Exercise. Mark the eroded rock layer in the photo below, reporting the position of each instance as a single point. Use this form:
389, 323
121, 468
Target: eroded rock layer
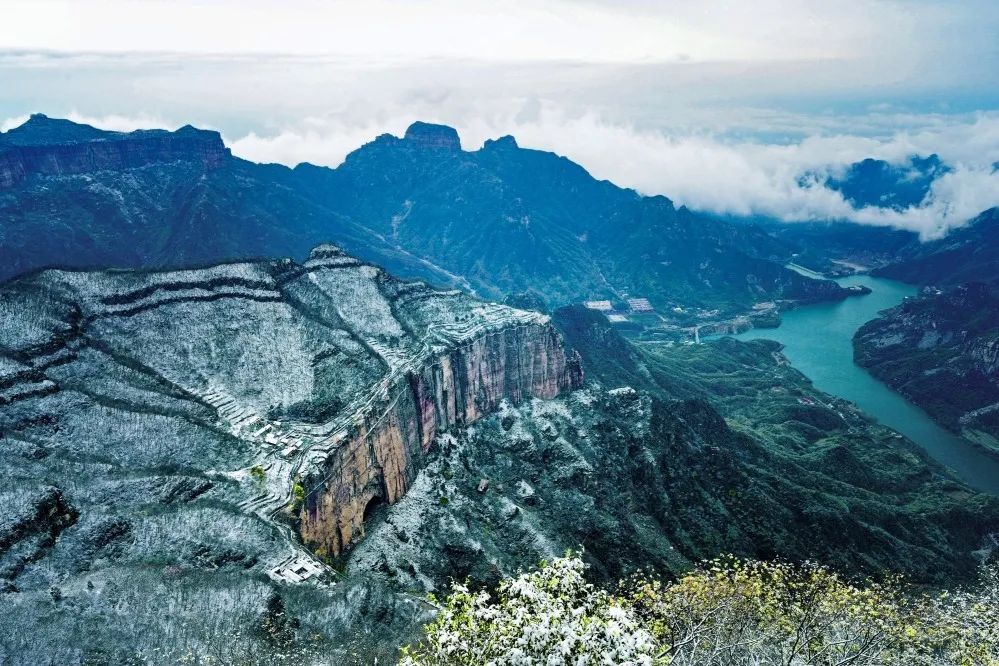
328, 376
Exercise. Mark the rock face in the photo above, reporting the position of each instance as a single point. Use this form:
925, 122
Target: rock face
437, 137
330, 374
36, 150
380, 459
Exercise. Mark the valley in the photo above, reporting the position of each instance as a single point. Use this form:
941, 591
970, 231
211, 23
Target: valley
818, 341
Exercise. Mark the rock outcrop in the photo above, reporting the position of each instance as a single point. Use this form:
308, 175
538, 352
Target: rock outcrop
379, 460
23, 156
437, 137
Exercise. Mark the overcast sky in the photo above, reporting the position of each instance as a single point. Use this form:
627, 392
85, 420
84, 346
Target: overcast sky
719, 105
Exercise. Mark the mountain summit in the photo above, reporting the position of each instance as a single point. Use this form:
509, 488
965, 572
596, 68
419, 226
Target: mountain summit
438, 137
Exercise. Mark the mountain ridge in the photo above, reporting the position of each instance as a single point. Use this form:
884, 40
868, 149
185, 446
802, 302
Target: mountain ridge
498, 220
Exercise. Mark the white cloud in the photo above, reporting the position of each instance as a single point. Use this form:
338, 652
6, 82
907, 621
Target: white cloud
11, 123
120, 123
516, 30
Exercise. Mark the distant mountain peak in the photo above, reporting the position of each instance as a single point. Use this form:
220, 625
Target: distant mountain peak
54, 146
39, 129
437, 137
897, 185
502, 142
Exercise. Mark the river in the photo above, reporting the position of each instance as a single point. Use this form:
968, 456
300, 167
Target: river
818, 340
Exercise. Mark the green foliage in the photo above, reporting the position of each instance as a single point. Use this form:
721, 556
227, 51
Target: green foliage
298, 495
728, 612
257, 473
550, 616
813, 477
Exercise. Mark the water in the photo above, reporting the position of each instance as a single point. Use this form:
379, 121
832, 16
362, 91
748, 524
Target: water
817, 340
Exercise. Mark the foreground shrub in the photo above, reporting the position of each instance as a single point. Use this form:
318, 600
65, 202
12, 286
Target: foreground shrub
552, 616
733, 612
728, 612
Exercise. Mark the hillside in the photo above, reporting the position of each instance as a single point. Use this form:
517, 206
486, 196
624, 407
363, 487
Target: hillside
325, 443
967, 254
202, 426
941, 350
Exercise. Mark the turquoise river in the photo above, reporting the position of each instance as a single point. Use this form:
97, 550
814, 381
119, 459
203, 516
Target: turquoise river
818, 339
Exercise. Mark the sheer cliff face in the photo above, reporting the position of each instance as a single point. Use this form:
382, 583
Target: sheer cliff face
378, 461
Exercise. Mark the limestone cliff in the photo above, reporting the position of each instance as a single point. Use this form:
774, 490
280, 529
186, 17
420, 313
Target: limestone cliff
379, 459
330, 373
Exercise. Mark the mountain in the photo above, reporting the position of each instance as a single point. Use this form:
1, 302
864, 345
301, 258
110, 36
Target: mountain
873, 182
941, 350
499, 220
967, 254
178, 433
841, 248
74, 196
512, 220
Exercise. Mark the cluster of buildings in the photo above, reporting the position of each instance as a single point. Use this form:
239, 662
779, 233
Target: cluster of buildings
615, 316
295, 569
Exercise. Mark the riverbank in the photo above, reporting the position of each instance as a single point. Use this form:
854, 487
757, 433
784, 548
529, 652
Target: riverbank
818, 341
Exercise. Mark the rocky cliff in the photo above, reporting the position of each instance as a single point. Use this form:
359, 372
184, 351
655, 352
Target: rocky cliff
36, 150
941, 350
235, 384
381, 456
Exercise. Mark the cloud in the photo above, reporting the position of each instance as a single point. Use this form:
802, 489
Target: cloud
11, 123
121, 123
520, 30
705, 172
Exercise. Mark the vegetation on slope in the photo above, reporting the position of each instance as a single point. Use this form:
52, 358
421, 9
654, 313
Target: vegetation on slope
784, 469
727, 612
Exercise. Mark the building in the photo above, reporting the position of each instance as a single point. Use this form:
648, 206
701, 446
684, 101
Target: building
640, 305
616, 318
600, 306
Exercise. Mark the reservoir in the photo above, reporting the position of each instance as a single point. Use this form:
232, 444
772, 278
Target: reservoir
818, 340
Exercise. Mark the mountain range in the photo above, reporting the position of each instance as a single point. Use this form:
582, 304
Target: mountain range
497, 221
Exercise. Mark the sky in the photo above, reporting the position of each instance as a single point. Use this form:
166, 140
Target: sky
722, 106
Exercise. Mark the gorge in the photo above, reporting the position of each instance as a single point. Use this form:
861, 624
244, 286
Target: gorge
817, 339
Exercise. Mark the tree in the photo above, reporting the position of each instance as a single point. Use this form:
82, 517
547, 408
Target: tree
550, 616
732, 612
